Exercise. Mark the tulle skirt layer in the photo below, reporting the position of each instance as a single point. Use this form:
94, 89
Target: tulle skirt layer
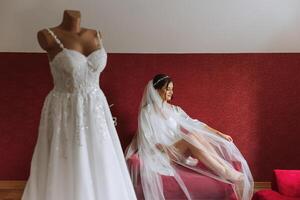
78, 155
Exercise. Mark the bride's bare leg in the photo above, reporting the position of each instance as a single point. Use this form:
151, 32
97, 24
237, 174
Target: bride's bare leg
184, 146
204, 142
230, 171
207, 146
210, 160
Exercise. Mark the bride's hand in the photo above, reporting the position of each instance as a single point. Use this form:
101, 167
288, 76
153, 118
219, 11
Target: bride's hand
227, 137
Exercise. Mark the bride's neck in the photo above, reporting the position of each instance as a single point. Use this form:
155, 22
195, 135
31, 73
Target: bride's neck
71, 21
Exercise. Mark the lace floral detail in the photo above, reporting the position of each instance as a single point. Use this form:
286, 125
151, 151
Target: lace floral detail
102, 125
75, 109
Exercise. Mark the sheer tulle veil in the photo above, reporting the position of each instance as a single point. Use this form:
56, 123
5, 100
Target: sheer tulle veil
156, 125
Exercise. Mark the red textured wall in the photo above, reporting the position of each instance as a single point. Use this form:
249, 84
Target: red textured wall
253, 97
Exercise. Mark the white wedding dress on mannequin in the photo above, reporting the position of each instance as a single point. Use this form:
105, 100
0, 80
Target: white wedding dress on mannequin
78, 155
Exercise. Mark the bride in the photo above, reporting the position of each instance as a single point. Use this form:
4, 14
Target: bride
167, 136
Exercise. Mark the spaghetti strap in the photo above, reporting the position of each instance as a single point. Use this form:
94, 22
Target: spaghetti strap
56, 38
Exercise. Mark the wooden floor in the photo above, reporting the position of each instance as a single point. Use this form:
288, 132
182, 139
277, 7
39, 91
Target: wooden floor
12, 190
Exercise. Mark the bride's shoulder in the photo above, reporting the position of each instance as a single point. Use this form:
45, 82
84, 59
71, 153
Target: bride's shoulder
176, 108
180, 111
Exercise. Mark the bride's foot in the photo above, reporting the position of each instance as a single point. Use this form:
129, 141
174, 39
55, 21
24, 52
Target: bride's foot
237, 178
234, 175
191, 161
239, 187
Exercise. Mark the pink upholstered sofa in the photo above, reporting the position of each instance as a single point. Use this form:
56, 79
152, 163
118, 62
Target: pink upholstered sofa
201, 187
285, 186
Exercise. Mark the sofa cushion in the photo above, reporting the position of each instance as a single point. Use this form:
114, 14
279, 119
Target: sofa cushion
271, 195
200, 187
287, 182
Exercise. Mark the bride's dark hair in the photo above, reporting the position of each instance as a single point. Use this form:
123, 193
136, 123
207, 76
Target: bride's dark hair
160, 80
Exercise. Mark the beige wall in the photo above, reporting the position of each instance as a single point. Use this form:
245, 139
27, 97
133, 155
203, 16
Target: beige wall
161, 25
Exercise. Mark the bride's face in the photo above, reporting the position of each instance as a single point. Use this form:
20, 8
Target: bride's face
166, 92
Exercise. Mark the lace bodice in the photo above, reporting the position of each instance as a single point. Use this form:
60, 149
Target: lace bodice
72, 71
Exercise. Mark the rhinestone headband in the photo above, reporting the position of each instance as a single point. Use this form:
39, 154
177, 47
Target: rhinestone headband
160, 80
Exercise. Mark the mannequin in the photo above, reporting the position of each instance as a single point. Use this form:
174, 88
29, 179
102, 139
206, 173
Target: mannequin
71, 34
78, 154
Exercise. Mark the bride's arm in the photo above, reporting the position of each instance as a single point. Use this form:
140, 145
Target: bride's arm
227, 137
184, 114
